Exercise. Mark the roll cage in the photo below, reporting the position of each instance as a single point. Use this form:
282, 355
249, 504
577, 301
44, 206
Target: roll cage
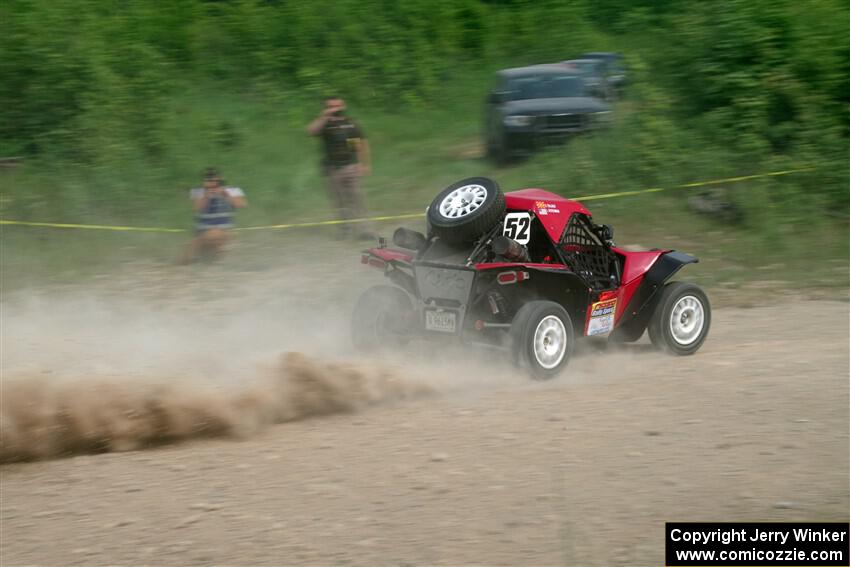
583, 248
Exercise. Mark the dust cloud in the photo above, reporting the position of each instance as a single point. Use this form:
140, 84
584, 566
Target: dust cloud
40, 418
91, 373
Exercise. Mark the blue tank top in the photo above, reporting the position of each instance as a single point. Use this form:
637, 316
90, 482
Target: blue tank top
218, 213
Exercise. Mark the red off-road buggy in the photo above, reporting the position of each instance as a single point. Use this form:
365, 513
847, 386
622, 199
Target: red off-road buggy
528, 271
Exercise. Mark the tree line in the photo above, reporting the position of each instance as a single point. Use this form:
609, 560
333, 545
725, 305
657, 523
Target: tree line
83, 79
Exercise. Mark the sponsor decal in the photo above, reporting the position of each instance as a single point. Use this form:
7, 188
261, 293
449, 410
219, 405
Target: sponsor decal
544, 208
602, 317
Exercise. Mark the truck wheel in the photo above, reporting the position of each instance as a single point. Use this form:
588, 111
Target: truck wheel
681, 319
542, 337
381, 318
465, 210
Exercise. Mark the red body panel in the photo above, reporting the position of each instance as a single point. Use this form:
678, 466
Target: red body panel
500, 265
637, 263
553, 210
624, 295
635, 266
388, 254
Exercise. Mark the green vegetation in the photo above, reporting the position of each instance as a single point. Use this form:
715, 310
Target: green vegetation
116, 106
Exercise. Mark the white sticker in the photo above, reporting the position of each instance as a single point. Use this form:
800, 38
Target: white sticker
518, 227
601, 317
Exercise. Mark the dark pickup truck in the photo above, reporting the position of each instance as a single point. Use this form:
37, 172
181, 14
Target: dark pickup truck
611, 66
603, 72
530, 107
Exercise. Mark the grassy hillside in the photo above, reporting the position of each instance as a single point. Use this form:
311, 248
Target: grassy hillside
415, 155
116, 107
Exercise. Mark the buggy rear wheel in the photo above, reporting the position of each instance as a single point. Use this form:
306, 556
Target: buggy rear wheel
543, 338
381, 319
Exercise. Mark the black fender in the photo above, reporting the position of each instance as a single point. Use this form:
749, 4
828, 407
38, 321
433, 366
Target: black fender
642, 304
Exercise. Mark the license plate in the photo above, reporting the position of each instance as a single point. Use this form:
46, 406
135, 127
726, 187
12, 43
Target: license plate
443, 321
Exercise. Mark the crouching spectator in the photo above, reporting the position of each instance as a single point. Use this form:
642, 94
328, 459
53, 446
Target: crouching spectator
215, 206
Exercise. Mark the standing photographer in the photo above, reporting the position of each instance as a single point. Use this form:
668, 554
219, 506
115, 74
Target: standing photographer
346, 159
215, 206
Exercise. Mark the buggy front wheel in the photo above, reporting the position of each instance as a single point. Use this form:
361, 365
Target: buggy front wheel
681, 319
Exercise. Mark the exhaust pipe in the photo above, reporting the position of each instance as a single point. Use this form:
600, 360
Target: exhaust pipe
409, 239
510, 249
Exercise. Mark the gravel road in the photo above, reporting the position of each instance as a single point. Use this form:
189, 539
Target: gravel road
583, 470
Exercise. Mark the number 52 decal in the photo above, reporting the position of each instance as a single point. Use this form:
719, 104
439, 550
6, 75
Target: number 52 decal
518, 227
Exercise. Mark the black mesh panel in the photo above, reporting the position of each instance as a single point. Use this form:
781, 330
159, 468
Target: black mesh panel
585, 253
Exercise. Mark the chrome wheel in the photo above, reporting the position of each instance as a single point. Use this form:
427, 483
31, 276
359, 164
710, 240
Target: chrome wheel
687, 320
463, 201
550, 342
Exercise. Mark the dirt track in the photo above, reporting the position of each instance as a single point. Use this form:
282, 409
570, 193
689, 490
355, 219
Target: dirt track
580, 471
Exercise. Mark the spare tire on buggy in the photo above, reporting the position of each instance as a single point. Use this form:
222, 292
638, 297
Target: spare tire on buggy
466, 209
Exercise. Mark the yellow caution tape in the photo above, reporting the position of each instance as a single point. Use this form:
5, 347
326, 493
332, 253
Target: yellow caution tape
333, 222
92, 226
403, 216
614, 195
689, 185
